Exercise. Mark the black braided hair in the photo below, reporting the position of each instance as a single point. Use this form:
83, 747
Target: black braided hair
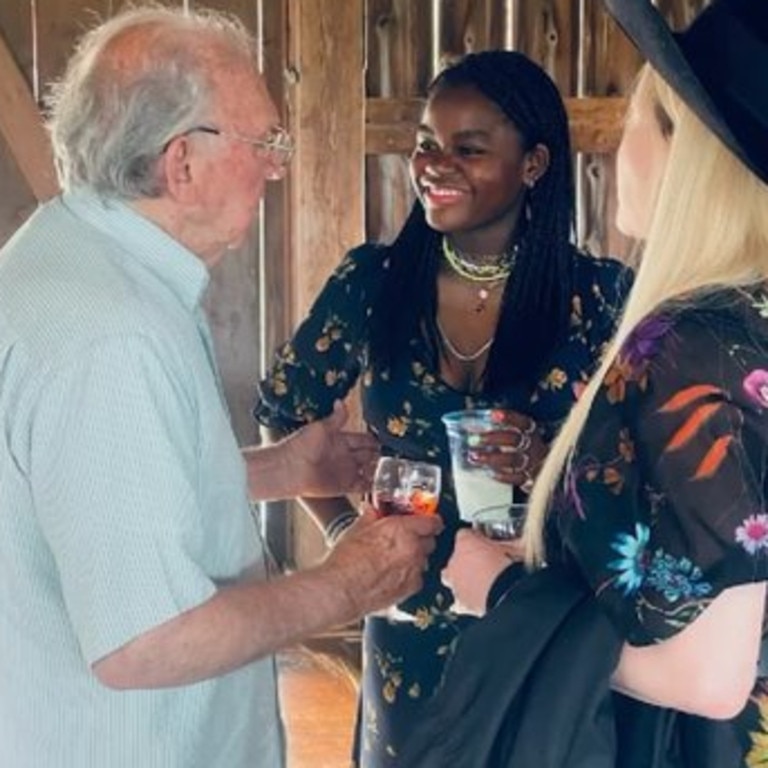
536, 301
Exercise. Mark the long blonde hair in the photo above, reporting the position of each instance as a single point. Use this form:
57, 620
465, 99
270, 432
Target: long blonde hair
709, 228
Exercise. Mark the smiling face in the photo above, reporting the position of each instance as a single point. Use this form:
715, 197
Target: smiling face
469, 169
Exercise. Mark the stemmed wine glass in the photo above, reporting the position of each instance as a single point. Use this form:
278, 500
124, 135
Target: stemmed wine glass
502, 523
405, 487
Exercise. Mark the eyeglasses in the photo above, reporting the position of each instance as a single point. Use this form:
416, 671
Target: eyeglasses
277, 143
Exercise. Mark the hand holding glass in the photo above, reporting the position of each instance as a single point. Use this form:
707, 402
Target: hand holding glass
404, 487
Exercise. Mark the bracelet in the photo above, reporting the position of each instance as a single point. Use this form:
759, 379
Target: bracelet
338, 525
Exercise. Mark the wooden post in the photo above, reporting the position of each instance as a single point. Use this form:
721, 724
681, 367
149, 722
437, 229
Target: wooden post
326, 115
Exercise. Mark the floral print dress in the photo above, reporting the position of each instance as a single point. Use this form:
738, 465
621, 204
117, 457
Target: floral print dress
664, 506
327, 356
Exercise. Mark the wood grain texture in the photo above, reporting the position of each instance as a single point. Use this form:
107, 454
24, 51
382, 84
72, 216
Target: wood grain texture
391, 124
16, 198
327, 184
22, 128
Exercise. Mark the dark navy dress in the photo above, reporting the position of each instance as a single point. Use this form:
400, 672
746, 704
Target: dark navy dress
328, 355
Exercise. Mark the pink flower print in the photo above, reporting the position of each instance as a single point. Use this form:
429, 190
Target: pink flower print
752, 534
756, 387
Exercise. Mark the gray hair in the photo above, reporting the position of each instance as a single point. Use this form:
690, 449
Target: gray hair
115, 108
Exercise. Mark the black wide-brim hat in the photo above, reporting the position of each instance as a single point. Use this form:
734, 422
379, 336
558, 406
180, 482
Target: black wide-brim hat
718, 66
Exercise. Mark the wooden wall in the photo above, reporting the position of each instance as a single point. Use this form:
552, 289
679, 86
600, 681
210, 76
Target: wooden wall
348, 76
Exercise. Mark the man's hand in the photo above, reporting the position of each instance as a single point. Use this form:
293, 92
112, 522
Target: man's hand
318, 460
329, 461
381, 561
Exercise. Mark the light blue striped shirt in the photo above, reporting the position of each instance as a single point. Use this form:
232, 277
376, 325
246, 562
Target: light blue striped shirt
122, 498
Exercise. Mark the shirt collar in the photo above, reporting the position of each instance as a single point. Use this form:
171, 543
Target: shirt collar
173, 264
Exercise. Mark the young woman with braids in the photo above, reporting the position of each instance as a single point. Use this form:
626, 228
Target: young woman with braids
482, 301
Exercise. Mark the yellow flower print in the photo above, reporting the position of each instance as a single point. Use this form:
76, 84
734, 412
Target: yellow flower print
423, 618
414, 692
288, 354
556, 379
332, 331
576, 311
758, 754
389, 691
280, 384
397, 426
331, 377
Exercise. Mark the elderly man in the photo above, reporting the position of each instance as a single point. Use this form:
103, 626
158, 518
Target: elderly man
137, 619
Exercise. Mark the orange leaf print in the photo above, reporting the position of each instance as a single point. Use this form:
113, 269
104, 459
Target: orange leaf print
713, 458
688, 395
691, 426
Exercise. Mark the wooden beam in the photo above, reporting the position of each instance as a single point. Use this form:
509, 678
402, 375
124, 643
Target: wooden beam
595, 124
22, 128
326, 116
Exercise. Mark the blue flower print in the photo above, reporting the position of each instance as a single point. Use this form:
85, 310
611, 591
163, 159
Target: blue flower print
676, 578
633, 562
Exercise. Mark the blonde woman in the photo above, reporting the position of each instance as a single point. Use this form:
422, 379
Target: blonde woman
650, 510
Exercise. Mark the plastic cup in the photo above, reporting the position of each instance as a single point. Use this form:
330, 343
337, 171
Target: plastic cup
475, 486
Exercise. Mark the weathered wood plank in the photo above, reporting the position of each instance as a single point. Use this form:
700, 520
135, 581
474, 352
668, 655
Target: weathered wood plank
327, 102
469, 25
610, 65
59, 24
16, 198
391, 124
548, 32
399, 56
22, 129
399, 65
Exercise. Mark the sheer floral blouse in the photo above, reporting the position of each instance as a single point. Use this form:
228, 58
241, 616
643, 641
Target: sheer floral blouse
665, 504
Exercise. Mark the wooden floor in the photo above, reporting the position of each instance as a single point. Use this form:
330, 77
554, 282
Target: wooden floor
318, 701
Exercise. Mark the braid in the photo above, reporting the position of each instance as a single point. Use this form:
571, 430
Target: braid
536, 302
408, 295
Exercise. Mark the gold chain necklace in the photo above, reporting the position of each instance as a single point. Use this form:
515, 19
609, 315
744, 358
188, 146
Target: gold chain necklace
495, 273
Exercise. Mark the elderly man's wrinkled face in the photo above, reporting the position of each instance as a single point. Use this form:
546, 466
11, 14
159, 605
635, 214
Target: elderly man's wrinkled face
236, 157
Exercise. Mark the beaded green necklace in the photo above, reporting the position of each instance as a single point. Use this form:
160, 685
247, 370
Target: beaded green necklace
495, 271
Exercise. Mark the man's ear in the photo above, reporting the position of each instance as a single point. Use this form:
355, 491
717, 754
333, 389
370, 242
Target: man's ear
536, 164
176, 168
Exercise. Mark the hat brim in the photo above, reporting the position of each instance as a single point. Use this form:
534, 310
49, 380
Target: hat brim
648, 30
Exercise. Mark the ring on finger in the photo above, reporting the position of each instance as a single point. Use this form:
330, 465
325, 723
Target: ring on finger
525, 461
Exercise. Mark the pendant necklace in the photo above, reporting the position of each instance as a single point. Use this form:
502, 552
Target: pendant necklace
488, 271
